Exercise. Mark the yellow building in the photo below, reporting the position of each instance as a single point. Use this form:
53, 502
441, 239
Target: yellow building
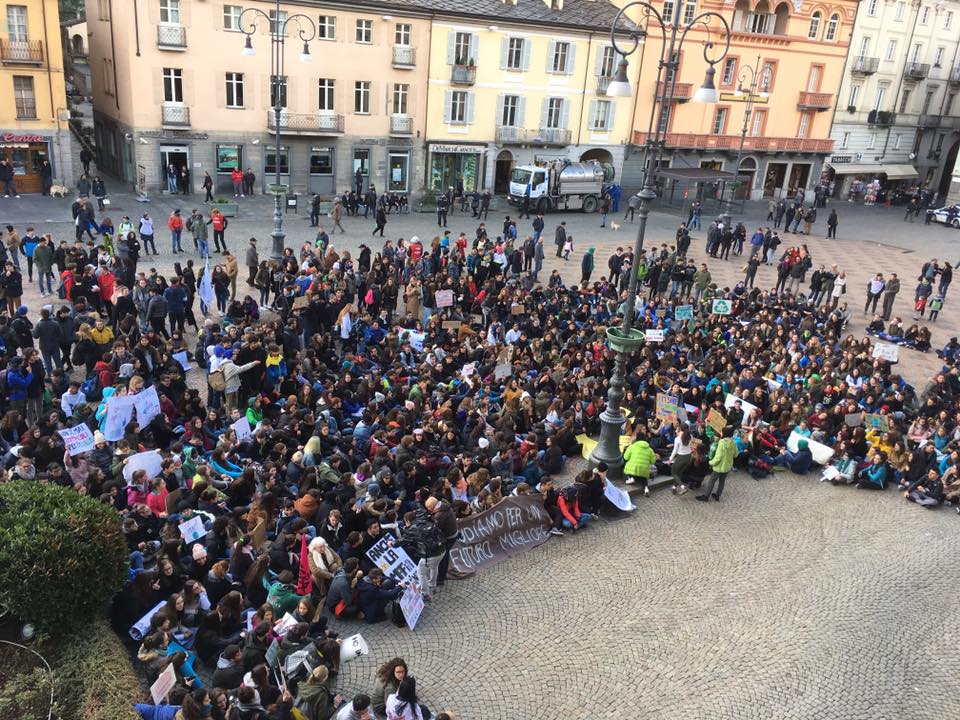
33, 115
516, 83
798, 51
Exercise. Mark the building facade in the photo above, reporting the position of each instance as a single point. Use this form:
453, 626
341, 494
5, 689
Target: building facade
76, 56
34, 118
172, 85
897, 119
797, 51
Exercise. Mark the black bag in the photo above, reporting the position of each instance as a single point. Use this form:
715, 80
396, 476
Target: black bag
395, 613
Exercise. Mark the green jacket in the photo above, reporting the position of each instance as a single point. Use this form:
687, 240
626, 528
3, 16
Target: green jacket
701, 279
639, 457
43, 258
283, 598
724, 454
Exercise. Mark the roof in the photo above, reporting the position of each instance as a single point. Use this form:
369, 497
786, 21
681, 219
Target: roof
579, 14
695, 174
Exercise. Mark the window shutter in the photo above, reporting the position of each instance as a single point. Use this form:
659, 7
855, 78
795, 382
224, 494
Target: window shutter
571, 57
564, 113
504, 49
544, 111
451, 47
551, 53
222, 95
521, 110
598, 61
499, 117
593, 115
474, 49
469, 108
525, 54
612, 115
447, 105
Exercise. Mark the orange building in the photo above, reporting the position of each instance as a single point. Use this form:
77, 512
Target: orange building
798, 51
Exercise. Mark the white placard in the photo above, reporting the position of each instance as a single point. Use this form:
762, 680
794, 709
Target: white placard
444, 298
164, 684
149, 461
886, 351
77, 439
283, 624
821, 453
730, 400
619, 498
393, 560
415, 339
353, 647
503, 370
411, 602
147, 403
243, 429
183, 358
119, 413
193, 530
653, 335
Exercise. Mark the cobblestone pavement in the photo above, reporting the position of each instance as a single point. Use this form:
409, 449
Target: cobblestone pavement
790, 599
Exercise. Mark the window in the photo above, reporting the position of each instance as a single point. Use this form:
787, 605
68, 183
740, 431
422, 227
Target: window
872, 8
948, 20
689, 11
515, 54
173, 85
228, 158
270, 161
757, 23
729, 71
898, 13
948, 107
24, 99
234, 90
554, 114
458, 107
17, 23
845, 140
103, 9
108, 76
364, 31
759, 120
511, 104
401, 93
325, 90
924, 14
278, 91
361, 161
719, 120
927, 101
561, 51
904, 101
881, 94
813, 79
608, 57
601, 116
231, 17
668, 7
278, 22
361, 97
832, 25
871, 141
940, 142
461, 48
891, 50
917, 49
803, 129
864, 46
401, 35
938, 57
814, 29
321, 161
170, 12
854, 95
768, 75
399, 163
327, 27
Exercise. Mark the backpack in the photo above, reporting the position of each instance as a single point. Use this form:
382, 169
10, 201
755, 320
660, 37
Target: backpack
91, 387
395, 613
217, 381
62, 290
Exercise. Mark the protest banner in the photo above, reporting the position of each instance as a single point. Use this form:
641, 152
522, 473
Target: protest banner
660, 312
393, 560
683, 312
668, 407
587, 444
415, 339
353, 647
878, 422
821, 453
721, 307
192, 530
886, 351
444, 298
716, 421
502, 370
655, 335
147, 403
149, 461
164, 684
411, 602
242, 428
77, 439
619, 498
516, 524
119, 413
184, 359
451, 324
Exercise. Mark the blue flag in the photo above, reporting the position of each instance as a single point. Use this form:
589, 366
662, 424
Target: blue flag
206, 286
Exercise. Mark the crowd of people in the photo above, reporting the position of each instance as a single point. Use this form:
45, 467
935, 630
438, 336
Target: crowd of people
346, 397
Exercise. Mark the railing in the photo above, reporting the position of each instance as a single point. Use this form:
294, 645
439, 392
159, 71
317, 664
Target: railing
507, 135
865, 65
21, 51
682, 92
881, 117
463, 75
26, 109
917, 71
401, 125
553, 136
404, 56
732, 142
171, 36
314, 123
814, 101
176, 115
603, 82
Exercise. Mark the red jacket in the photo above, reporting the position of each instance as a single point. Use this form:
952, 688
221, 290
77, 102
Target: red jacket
104, 374
570, 512
175, 222
218, 220
107, 283
236, 176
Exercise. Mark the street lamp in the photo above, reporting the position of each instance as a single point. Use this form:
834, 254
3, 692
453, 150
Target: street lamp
307, 31
624, 340
753, 73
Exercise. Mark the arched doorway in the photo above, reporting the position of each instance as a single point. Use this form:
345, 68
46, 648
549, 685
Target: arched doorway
604, 159
745, 176
502, 170
948, 169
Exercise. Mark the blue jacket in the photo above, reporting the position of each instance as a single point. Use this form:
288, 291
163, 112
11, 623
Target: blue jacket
802, 459
17, 384
373, 599
176, 298
157, 712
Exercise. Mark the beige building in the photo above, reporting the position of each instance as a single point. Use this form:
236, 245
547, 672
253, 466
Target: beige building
171, 84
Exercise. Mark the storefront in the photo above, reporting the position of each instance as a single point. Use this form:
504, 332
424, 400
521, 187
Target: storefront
852, 180
398, 171
229, 156
449, 163
26, 154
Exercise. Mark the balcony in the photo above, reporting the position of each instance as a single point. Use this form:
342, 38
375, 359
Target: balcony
682, 92
21, 52
401, 125
954, 76
603, 82
404, 57
814, 101
882, 118
306, 123
463, 75
929, 121
917, 71
171, 37
731, 143
522, 136
863, 65
175, 116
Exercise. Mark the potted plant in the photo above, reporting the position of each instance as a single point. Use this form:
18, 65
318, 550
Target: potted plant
227, 207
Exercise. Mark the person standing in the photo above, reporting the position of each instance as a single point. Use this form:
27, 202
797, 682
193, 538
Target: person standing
337, 215
946, 277
236, 177
586, 267
175, 225
721, 462
529, 250
172, 175
832, 221
921, 295
560, 237
146, 234
874, 291
809, 219
890, 291
604, 209
183, 180
43, 259
538, 225
232, 268
633, 202
358, 181
157, 312
443, 205
615, 264
86, 157
249, 180
381, 220
198, 227
176, 298
537, 258
315, 210
252, 261
207, 187
219, 223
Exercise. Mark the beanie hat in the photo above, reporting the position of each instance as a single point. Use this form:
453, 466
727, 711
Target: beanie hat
22, 310
484, 443
803, 444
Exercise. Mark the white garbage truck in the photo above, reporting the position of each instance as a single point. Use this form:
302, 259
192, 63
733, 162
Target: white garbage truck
560, 185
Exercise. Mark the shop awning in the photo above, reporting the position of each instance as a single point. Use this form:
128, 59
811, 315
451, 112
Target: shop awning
893, 172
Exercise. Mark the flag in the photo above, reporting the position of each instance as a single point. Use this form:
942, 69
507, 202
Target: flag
303, 582
206, 287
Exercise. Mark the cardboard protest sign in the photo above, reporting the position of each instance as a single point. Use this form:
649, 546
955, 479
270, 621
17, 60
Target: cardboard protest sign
301, 303
668, 407
243, 429
149, 461
184, 359
683, 312
517, 310
77, 439
415, 339
660, 312
886, 351
411, 603
875, 421
119, 413
273, 652
147, 403
516, 524
451, 324
619, 498
821, 453
164, 684
853, 419
393, 560
716, 421
353, 647
443, 298
192, 530
502, 370
721, 307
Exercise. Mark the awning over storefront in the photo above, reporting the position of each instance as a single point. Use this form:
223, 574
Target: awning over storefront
893, 172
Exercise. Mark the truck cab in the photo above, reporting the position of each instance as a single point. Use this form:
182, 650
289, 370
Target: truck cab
530, 176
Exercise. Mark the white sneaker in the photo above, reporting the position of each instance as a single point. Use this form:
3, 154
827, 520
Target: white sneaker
630, 481
682, 490
556, 531
646, 492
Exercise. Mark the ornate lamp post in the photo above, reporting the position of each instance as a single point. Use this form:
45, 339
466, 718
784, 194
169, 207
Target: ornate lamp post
626, 339
753, 73
307, 31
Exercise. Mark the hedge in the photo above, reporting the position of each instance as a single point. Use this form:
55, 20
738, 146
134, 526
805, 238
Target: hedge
62, 556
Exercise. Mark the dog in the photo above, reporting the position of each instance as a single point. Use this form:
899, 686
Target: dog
59, 191
614, 226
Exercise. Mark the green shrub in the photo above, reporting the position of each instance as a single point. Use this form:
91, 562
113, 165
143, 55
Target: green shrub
62, 556
25, 690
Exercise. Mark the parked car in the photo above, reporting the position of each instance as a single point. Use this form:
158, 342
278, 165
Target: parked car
948, 215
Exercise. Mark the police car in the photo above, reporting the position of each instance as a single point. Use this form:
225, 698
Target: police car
949, 215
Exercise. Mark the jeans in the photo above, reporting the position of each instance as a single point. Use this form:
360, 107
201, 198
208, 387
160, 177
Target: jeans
9, 188
172, 184
48, 276
148, 244
52, 358
237, 189
222, 302
204, 248
584, 520
715, 478
427, 572
175, 241
218, 239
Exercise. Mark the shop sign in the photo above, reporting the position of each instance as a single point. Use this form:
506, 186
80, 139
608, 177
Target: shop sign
13, 137
456, 149
840, 159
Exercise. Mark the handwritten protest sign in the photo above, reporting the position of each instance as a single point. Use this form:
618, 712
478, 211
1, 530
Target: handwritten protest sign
502, 370
149, 461
444, 298
619, 498
192, 530
147, 403
353, 647
716, 421
164, 684
243, 429
451, 324
683, 312
301, 303
119, 413
668, 407
878, 422
411, 602
393, 561
721, 307
655, 335
184, 359
886, 351
77, 439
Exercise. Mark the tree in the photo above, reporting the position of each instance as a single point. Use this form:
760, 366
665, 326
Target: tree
62, 555
70, 9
